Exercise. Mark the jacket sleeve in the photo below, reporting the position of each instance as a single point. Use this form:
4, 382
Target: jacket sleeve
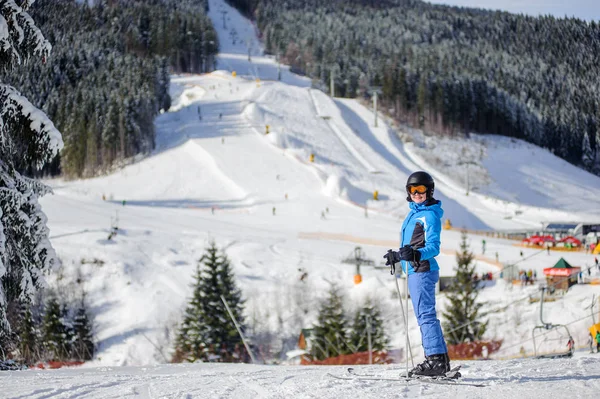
433, 230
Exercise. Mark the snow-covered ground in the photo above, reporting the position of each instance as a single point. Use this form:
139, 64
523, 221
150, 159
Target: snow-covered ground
574, 378
216, 175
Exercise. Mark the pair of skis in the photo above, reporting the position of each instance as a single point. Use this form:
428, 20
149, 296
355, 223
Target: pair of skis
449, 379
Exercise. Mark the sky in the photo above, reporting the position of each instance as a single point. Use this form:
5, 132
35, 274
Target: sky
584, 9
286, 224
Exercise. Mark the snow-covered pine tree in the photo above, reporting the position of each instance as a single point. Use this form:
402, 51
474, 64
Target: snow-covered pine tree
57, 331
190, 344
28, 139
214, 312
29, 336
233, 296
163, 79
588, 156
207, 332
83, 347
358, 336
462, 314
330, 334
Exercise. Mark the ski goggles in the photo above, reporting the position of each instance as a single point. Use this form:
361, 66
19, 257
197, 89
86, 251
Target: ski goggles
416, 189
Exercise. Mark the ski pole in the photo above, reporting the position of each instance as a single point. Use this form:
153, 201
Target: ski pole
406, 313
404, 316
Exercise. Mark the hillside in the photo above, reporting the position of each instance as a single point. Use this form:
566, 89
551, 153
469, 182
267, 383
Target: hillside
449, 70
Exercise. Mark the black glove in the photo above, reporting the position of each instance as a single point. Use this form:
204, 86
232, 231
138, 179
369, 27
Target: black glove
391, 257
409, 254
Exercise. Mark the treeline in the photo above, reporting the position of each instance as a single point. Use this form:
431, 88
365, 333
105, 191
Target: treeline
108, 75
51, 328
450, 70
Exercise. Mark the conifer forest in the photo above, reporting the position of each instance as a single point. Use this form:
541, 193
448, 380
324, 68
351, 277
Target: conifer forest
450, 70
107, 77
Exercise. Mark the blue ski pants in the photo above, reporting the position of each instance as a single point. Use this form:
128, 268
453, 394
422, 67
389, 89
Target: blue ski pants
422, 292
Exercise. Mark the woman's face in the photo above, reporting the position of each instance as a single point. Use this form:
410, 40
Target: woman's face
418, 197
418, 193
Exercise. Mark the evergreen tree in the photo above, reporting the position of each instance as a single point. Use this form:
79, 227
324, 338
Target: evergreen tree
190, 344
29, 337
57, 332
233, 296
587, 158
207, 331
28, 139
83, 347
462, 314
330, 335
368, 315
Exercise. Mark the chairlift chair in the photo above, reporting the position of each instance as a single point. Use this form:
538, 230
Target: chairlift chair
561, 329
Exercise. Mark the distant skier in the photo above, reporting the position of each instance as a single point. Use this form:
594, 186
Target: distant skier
420, 243
597, 341
483, 247
591, 343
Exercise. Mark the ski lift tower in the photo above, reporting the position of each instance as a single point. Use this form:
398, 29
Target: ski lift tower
375, 91
358, 258
467, 163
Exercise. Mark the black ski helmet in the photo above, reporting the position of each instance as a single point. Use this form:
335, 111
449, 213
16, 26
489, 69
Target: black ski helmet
420, 178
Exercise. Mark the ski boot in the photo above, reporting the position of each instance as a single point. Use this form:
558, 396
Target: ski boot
433, 366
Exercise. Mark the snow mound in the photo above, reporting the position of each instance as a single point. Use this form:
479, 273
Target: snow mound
336, 186
174, 178
189, 95
277, 139
340, 187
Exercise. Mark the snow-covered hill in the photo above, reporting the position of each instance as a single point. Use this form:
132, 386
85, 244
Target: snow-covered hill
216, 175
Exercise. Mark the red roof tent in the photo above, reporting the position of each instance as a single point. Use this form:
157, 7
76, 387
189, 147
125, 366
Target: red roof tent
561, 268
571, 240
538, 240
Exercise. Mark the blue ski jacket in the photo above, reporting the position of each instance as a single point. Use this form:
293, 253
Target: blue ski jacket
421, 230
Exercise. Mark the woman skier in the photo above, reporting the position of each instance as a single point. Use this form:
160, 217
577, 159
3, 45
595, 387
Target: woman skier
419, 244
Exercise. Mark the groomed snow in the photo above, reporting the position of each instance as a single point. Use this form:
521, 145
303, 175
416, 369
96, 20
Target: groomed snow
573, 378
